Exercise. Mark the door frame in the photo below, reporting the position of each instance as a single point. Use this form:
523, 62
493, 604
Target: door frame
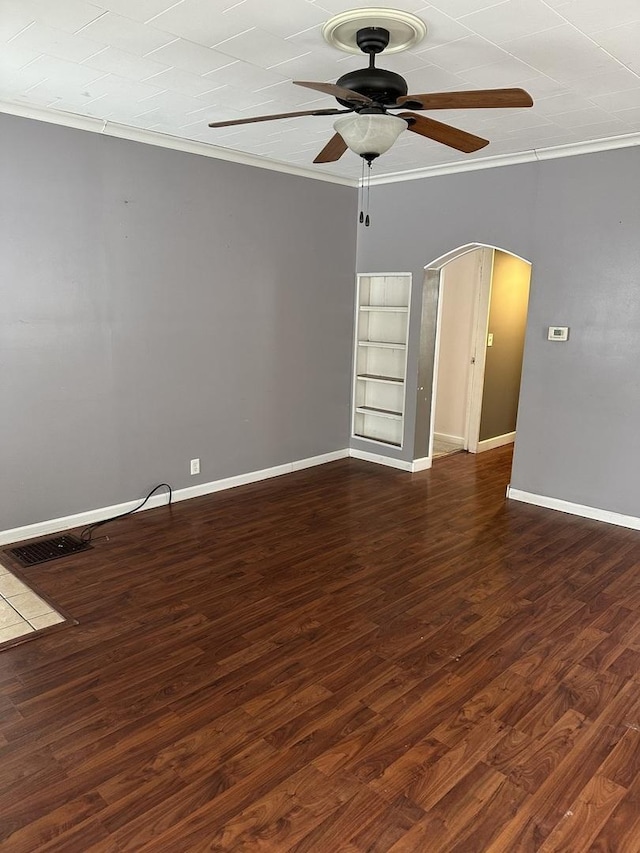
434, 271
475, 375
479, 325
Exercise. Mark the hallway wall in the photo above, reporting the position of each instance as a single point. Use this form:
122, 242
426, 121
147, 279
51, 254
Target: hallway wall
503, 366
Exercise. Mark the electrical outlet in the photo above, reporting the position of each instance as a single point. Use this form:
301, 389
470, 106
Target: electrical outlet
195, 466
490, 339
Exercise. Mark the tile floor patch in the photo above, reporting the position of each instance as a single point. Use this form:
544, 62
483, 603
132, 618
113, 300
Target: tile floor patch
22, 611
15, 631
8, 614
29, 604
11, 585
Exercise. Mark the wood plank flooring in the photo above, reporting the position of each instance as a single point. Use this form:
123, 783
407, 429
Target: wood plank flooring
347, 658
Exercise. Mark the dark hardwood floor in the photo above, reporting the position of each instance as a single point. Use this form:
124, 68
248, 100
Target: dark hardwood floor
348, 658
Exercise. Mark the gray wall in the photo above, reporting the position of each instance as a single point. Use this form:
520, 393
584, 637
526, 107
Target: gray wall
158, 306
577, 220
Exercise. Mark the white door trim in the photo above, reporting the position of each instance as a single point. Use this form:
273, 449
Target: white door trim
476, 371
436, 363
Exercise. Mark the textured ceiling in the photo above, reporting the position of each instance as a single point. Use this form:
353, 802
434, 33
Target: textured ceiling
171, 67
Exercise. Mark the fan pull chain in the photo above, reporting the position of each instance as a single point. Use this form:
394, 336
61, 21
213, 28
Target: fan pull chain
364, 192
366, 219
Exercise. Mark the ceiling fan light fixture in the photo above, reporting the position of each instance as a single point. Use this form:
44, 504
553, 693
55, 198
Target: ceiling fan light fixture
370, 134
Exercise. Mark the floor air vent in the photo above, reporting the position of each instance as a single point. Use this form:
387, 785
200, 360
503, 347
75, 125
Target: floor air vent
47, 549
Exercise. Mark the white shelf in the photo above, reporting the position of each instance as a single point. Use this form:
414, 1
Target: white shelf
390, 309
385, 380
378, 440
379, 413
381, 334
382, 344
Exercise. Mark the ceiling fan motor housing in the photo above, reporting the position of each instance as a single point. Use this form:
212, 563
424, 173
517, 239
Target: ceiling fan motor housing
383, 87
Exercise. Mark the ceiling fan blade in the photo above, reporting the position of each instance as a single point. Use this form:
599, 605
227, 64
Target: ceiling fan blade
333, 150
474, 99
444, 133
330, 112
336, 91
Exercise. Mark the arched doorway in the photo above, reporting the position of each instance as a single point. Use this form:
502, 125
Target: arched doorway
474, 307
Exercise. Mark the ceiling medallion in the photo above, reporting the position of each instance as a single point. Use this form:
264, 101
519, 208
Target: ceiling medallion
405, 30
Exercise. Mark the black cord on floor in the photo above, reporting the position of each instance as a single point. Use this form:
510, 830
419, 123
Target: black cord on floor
87, 533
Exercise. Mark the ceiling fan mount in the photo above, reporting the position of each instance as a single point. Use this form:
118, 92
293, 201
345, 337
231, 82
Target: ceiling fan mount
372, 40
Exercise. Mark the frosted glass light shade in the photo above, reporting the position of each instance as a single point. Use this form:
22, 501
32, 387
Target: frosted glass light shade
366, 133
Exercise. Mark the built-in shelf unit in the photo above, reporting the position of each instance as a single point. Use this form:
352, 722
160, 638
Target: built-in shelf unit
380, 361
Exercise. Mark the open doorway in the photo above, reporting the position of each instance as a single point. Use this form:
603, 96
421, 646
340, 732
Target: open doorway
475, 302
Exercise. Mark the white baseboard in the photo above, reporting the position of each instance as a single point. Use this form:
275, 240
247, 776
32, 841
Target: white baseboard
400, 464
81, 519
457, 440
497, 441
312, 461
575, 509
380, 460
56, 525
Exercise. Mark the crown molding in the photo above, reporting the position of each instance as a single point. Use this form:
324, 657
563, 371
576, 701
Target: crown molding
165, 140
531, 156
190, 146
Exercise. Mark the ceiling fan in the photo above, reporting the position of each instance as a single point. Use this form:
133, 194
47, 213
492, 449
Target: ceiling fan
372, 92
